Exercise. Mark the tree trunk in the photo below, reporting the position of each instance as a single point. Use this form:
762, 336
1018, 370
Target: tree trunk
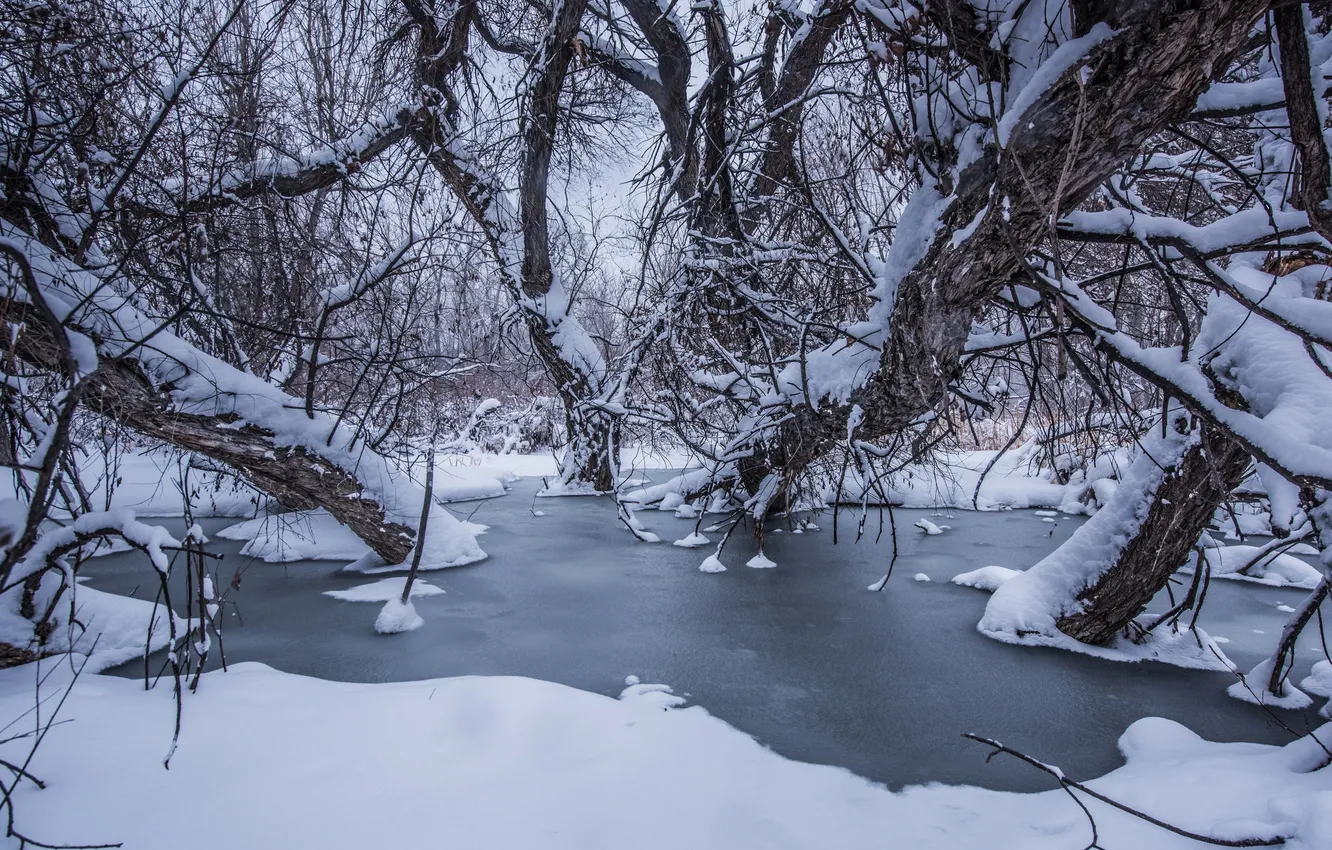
1095, 116
1179, 513
119, 390
592, 451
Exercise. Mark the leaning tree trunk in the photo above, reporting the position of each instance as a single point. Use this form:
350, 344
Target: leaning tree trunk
1179, 512
119, 390
1093, 117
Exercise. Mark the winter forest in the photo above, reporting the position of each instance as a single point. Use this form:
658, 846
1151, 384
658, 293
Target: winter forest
681, 423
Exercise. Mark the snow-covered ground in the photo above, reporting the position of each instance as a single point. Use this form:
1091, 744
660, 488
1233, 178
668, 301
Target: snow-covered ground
268, 759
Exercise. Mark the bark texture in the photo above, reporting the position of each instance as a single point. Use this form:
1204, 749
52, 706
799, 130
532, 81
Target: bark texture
1065, 145
1179, 513
119, 390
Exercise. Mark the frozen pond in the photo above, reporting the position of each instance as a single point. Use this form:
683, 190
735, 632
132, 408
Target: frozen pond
803, 657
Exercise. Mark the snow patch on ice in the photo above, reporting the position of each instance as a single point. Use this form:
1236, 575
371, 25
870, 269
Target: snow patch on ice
692, 540
1253, 688
384, 590
986, 578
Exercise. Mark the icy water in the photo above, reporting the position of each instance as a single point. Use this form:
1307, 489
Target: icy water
802, 657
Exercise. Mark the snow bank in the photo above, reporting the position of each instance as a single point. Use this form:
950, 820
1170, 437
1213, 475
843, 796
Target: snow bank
1253, 688
268, 759
1010, 483
318, 536
110, 629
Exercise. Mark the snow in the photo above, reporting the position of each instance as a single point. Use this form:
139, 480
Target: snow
921, 577
268, 759
712, 564
297, 536
929, 527
384, 590
110, 629
1012, 482
986, 578
1026, 607
878, 585
690, 541
761, 562
397, 616
149, 482
1274, 569
1253, 688
1319, 684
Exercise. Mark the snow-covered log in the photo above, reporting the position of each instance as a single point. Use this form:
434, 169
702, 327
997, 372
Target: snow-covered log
128, 367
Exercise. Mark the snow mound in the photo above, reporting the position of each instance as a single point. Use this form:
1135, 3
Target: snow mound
761, 562
712, 564
694, 539
150, 484
921, 577
106, 629
657, 696
929, 527
1253, 689
1319, 680
449, 542
986, 578
384, 590
397, 616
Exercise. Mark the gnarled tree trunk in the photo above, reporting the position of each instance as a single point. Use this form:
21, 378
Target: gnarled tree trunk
1180, 510
118, 389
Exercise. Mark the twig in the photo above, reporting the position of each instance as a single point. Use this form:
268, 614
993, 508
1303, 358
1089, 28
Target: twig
1068, 784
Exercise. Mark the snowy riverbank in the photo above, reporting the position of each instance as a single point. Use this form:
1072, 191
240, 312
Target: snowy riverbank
272, 760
